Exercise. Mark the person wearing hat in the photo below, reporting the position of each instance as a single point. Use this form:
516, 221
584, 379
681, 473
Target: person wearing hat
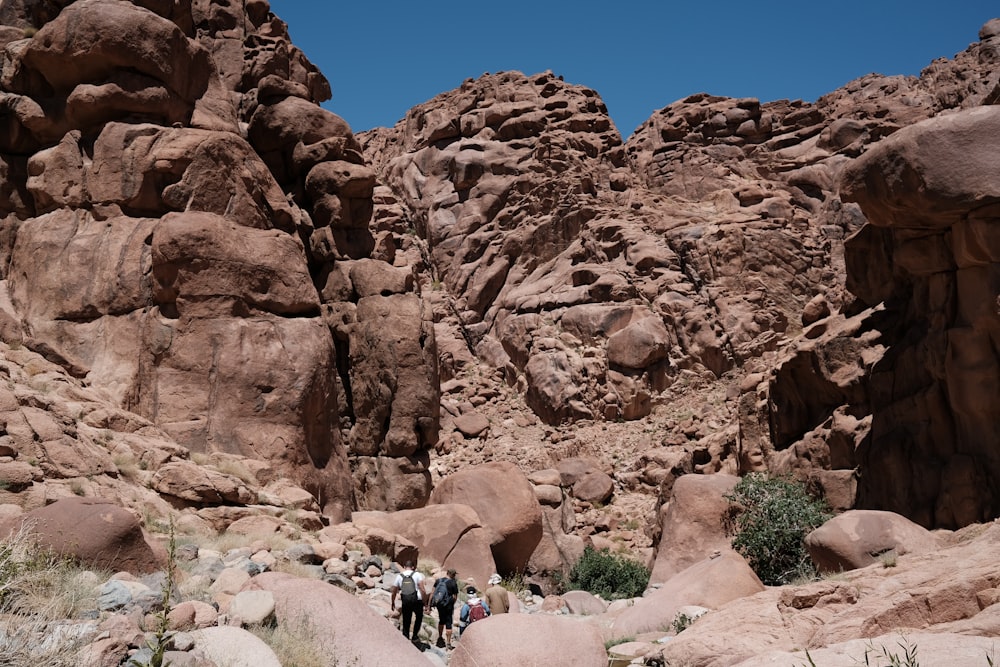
496, 596
473, 610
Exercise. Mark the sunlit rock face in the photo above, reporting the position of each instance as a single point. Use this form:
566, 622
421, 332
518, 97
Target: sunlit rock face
174, 196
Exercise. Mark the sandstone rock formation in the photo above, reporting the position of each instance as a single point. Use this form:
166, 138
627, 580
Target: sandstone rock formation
521, 639
699, 255
183, 229
220, 306
503, 498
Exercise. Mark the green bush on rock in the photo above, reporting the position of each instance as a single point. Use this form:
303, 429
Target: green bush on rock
612, 576
771, 518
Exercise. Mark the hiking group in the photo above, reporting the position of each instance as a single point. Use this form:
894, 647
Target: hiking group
443, 597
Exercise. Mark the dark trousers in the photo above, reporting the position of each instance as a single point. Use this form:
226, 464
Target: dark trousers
411, 609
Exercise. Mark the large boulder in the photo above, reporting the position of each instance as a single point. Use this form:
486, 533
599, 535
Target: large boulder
523, 639
452, 535
95, 532
504, 500
233, 645
709, 583
692, 523
857, 538
342, 626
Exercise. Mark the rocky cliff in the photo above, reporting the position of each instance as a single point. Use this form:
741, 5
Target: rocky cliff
186, 230
716, 255
786, 286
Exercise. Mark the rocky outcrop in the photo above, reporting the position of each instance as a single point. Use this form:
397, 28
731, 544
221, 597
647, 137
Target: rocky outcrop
507, 506
177, 204
930, 195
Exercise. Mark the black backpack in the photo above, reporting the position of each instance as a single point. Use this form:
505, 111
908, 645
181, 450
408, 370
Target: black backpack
408, 589
442, 596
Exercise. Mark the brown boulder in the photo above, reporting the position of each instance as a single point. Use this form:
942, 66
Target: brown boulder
452, 535
197, 484
640, 344
93, 531
858, 537
692, 523
572, 469
503, 498
708, 583
594, 487
472, 424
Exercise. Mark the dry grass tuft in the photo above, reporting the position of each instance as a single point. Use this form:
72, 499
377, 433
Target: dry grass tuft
38, 593
293, 645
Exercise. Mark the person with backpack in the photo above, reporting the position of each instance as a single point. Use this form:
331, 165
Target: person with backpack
409, 585
474, 609
443, 597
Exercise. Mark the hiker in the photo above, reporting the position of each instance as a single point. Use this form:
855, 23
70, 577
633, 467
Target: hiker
409, 585
496, 596
473, 610
443, 597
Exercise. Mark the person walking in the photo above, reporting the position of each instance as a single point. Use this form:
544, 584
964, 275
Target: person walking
443, 597
409, 585
496, 596
474, 609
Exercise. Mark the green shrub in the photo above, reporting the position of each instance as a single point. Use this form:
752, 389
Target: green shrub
772, 516
612, 576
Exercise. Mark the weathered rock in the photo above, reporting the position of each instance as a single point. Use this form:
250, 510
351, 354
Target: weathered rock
223, 643
503, 498
452, 535
529, 639
857, 538
709, 583
93, 531
584, 603
692, 524
362, 635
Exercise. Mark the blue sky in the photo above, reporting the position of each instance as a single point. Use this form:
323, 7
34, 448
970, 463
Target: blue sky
384, 57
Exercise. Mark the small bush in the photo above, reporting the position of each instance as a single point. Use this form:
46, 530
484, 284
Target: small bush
612, 576
771, 519
682, 622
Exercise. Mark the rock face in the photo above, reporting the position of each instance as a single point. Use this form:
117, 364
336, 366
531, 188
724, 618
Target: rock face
602, 279
931, 197
185, 228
